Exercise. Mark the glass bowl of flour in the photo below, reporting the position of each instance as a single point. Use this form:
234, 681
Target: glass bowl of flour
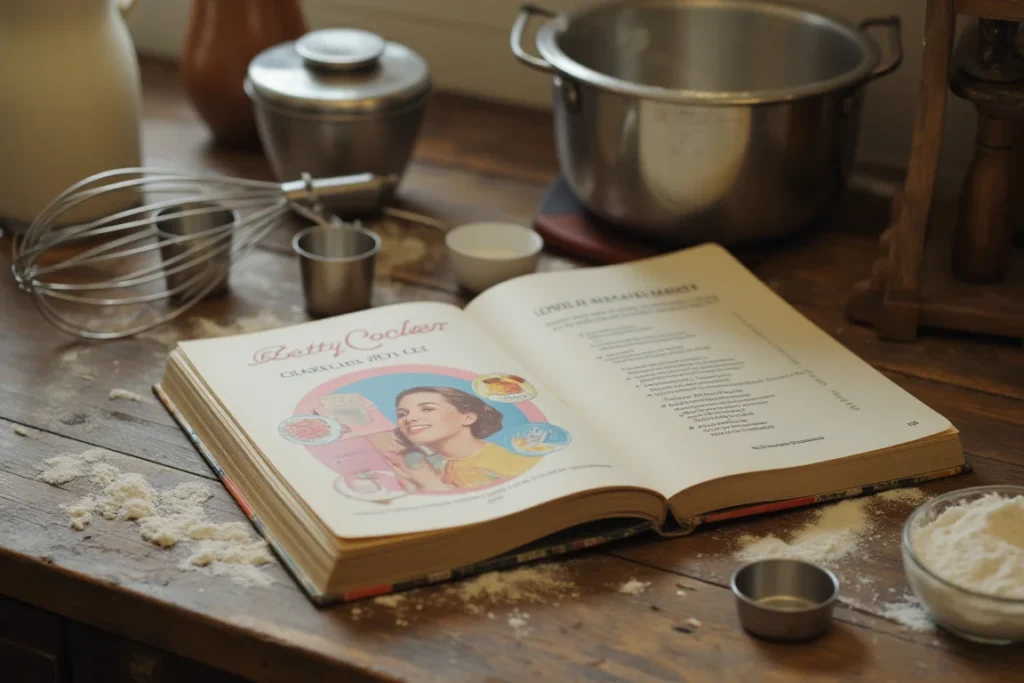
963, 554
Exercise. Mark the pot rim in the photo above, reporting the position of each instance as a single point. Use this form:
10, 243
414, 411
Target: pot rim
566, 67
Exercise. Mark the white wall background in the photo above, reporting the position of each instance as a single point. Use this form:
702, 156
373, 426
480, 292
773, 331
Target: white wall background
466, 45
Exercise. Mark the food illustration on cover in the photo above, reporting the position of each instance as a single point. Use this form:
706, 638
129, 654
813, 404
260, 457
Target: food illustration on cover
422, 430
311, 430
504, 388
539, 439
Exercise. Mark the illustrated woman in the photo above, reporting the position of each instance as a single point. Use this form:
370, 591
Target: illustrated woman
453, 424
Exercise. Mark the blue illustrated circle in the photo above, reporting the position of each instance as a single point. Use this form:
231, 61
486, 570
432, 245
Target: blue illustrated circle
537, 439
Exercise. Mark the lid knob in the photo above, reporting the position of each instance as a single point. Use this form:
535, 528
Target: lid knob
340, 49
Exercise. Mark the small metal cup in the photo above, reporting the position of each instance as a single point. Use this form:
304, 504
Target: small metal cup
190, 264
787, 600
337, 268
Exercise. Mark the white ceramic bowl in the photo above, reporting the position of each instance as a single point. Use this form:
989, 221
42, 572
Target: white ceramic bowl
977, 617
484, 254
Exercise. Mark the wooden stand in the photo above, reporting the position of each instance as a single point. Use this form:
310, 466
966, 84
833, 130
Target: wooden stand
960, 274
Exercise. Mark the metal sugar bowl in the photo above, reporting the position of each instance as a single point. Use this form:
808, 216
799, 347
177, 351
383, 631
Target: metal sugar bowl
338, 102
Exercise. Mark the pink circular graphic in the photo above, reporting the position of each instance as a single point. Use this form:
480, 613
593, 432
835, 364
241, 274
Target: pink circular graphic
376, 462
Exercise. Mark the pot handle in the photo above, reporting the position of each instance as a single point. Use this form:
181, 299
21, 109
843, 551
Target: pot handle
516, 39
893, 23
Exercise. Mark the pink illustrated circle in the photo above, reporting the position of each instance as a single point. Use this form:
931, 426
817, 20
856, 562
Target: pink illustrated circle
367, 430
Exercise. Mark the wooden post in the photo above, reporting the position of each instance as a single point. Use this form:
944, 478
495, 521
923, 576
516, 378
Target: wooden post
981, 241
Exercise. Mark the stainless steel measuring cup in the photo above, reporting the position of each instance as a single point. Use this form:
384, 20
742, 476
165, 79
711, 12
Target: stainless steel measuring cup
194, 252
337, 265
786, 600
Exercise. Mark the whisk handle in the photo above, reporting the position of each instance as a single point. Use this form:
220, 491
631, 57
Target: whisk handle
349, 193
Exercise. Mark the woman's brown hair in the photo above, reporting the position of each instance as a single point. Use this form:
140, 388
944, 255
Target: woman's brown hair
488, 418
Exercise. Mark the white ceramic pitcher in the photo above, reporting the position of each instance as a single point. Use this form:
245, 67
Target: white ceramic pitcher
70, 102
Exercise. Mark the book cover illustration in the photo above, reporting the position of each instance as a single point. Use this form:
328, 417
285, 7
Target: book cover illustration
422, 430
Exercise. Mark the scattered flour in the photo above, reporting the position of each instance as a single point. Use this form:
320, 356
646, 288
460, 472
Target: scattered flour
165, 517
909, 613
857, 603
634, 587
391, 601
694, 623
60, 469
125, 395
977, 545
522, 584
835, 532
20, 431
71, 361
519, 621
911, 496
80, 513
536, 584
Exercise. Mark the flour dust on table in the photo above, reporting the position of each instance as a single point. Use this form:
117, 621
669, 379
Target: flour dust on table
166, 517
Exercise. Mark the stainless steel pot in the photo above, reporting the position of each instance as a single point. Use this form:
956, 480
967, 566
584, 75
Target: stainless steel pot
706, 120
338, 102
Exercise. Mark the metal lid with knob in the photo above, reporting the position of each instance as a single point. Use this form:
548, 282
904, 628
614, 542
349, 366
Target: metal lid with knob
338, 70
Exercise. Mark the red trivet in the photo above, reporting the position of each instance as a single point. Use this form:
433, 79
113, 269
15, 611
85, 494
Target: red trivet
567, 227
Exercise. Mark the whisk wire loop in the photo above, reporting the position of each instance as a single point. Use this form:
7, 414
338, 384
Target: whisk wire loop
142, 265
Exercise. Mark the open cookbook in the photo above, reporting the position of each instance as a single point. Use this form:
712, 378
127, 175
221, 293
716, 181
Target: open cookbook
419, 442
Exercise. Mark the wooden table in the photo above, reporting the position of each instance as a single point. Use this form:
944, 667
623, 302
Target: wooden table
103, 605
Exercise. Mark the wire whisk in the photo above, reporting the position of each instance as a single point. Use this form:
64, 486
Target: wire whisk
122, 274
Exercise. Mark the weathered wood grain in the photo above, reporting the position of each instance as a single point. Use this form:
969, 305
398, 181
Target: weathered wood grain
108, 577
991, 426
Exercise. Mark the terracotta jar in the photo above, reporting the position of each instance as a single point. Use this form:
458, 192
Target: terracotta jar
222, 38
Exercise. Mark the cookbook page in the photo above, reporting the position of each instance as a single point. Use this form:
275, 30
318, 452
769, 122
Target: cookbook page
695, 368
402, 419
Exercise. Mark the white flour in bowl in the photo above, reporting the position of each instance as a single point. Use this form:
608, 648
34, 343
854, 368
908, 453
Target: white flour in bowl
977, 545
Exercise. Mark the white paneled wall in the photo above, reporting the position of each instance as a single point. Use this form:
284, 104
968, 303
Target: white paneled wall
466, 44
